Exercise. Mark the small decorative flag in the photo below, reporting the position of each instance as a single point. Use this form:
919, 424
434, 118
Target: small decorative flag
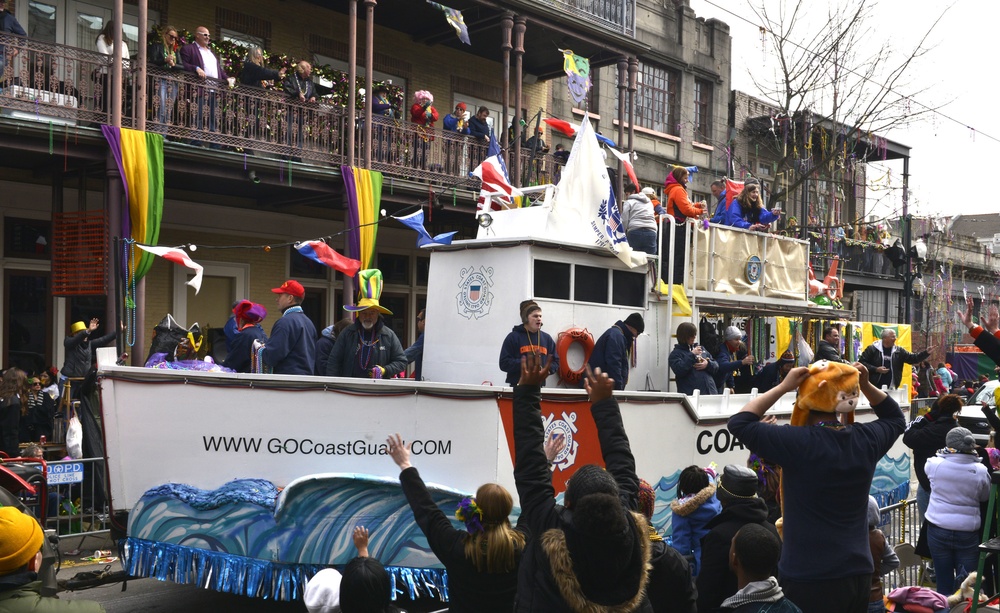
626, 159
493, 173
577, 75
455, 19
324, 254
569, 129
416, 222
178, 256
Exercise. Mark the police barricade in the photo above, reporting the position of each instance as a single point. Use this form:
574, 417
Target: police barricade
901, 525
77, 499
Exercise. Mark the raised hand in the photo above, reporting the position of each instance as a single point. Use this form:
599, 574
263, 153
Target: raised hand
598, 384
966, 316
992, 323
360, 537
533, 371
554, 446
399, 451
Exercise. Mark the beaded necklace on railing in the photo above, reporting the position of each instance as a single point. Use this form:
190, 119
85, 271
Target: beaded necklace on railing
130, 266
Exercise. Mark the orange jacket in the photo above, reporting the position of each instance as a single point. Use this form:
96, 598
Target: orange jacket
678, 203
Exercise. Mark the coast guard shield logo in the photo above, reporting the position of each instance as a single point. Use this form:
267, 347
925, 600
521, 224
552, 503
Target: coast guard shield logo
754, 269
566, 428
474, 297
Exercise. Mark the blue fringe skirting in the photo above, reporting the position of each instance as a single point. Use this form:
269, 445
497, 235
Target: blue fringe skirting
232, 574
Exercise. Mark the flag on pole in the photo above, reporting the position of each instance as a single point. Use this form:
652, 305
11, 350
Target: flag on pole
455, 20
363, 189
626, 160
416, 222
584, 203
178, 256
493, 173
324, 254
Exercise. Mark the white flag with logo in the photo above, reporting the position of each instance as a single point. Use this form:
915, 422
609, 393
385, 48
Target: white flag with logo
584, 204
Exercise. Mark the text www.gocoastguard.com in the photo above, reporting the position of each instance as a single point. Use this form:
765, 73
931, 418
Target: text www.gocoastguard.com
307, 446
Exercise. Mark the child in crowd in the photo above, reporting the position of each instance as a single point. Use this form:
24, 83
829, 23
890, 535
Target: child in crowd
365, 586
883, 556
696, 504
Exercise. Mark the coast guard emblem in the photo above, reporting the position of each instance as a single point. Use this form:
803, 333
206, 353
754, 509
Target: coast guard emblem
754, 269
474, 296
566, 428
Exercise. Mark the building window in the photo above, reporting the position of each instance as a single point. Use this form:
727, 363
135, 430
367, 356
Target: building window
656, 99
702, 111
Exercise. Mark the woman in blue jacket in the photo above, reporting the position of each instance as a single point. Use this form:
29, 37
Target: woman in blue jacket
747, 210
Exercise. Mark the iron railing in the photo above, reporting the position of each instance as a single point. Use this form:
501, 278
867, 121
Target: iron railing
614, 15
58, 84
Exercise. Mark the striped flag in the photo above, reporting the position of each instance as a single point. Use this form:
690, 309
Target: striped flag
139, 156
493, 173
178, 256
626, 159
324, 254
364, 196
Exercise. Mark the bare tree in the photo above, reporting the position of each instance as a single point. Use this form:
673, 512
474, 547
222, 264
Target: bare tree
837, 87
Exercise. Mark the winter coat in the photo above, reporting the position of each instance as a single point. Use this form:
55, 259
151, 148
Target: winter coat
872, 358
469, 590
451, 124
691, 515
560, 571
418, 114
717, 581
253, 75
327, 339
678, 203
478, 129
519, 343
415, 353
294, 85
925, 437
79, 352
682, 363
826, 351
945, 375
157, 56
9, 25
959, 482
611, 353
291, 349
734, 216
671, 588
388, 352
733, 373
637, 213
21, 593
239, 356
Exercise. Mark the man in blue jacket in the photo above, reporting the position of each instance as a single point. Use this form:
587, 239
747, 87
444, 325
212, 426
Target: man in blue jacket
612, 351
826, 470
8, 25
291, 349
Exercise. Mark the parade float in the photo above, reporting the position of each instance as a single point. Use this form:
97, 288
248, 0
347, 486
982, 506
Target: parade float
251, 483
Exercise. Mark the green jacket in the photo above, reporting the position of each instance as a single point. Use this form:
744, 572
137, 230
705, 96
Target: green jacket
19, 593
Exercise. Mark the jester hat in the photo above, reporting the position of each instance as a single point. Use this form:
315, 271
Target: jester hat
821, 390
370, 289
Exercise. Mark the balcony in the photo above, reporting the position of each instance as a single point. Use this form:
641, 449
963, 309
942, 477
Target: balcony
60, 85
614, 15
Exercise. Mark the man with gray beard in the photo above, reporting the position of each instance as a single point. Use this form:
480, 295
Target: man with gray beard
367, 349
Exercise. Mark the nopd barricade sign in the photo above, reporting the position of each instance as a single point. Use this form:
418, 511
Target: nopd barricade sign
65, 472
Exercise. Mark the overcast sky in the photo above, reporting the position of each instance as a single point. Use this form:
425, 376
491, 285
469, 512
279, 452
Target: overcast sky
948, 158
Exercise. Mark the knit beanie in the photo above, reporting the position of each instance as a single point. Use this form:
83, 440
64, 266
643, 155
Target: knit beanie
635, 320
322, 593
589, 479
647, 499
527, 308
960, 439
20, 539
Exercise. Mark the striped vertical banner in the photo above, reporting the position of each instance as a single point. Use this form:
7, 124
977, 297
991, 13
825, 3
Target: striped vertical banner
364, 195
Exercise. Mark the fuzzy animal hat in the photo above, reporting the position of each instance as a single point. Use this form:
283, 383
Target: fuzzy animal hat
824, 391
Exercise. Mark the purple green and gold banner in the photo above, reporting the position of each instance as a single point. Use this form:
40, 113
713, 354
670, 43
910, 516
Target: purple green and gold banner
364, 194
139, 156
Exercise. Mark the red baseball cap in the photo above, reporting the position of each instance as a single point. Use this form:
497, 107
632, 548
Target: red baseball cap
291, 287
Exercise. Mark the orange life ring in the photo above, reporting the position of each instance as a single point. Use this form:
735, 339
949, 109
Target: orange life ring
567, 338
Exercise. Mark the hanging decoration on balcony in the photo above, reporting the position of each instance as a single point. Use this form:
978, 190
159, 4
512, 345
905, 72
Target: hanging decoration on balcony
364, 194
139, 156
455, 19
178, 256
577, 75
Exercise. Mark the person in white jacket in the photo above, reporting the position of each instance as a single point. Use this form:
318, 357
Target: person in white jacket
959, 482
638, 219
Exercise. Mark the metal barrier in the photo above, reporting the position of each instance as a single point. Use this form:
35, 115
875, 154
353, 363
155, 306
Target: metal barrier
901, 524
75, 495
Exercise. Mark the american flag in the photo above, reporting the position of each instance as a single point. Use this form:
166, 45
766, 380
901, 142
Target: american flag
493, 173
